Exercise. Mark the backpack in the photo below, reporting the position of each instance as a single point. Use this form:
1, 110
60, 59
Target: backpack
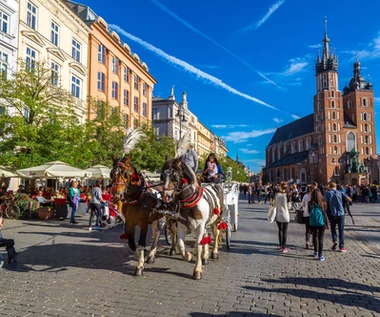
316, 216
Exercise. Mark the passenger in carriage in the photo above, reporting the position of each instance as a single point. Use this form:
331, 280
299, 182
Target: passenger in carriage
212, 170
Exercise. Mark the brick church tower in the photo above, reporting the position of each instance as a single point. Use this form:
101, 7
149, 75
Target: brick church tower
358, 103
328, 115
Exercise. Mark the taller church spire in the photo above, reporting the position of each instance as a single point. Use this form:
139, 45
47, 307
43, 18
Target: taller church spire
328, 60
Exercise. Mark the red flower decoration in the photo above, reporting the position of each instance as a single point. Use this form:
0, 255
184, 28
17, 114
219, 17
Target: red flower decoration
184, 180
222, 226
216, 211
206, 240
135, 178
123, 236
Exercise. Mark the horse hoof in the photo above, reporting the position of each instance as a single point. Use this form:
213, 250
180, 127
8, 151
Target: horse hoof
151, 259
197, 275
205, 261
138, 271
214, 255
172, 252
189, 257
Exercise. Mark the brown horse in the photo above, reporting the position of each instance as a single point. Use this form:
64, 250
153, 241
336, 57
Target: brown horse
141, 207
199, 207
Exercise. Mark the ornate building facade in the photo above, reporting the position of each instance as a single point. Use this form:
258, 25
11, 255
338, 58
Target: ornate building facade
8, 39
333, 143
174, 119
51, 33
116, 74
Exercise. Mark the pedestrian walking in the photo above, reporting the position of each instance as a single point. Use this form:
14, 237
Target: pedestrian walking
259, 188
335, 209
318, 221
282, 215
306, 216
249, 189
96, 204
73, 197
191, 157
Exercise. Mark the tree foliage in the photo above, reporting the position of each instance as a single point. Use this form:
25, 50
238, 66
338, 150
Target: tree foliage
152, 151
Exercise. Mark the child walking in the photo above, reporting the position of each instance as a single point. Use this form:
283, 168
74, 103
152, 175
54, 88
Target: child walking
318, 221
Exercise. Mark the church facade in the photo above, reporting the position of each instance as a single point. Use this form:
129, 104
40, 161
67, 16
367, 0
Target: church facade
337, 141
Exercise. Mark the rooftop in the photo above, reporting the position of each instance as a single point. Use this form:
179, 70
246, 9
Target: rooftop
302, 126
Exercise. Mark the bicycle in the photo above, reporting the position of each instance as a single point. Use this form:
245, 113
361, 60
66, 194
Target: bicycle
10, 209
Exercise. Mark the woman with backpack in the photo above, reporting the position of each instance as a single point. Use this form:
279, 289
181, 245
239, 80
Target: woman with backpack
318, 221
282, 215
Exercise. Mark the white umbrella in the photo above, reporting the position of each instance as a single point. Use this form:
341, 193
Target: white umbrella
99, 171
6, 173
56, 169
153, 177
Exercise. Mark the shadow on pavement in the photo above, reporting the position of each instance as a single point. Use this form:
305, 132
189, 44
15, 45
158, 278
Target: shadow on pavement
232, 314
344, 292
59, 257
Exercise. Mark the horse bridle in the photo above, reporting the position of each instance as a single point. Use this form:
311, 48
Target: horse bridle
124, 175
174, 176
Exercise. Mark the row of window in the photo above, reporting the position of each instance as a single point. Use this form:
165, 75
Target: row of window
363, 102
327, 80
116, 67
31, 21
102, 80
76, 82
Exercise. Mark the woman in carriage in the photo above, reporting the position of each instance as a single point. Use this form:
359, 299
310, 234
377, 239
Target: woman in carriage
212, 171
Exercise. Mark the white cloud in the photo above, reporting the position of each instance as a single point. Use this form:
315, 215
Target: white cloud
372, 50
229, 126
315, 46
277, 120
247, 151
259, 23
189, 68
295, 117
295, 66
241, 137
194, 29
377, 100
250, 144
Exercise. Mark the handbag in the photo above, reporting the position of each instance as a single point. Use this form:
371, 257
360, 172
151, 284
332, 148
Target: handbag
299, 216
272, 214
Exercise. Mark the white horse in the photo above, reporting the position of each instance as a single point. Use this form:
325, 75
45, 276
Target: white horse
199, 207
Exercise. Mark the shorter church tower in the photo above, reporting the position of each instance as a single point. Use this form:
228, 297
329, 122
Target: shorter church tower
359, 107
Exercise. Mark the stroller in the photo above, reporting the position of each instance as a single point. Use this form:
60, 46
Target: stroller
111, 215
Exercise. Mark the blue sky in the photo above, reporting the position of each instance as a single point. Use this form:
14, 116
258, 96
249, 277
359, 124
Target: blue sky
247, 65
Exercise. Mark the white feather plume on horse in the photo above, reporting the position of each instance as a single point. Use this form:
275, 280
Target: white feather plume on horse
131, 139
181, 146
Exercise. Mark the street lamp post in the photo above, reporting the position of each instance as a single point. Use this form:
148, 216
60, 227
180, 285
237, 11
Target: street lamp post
182, 118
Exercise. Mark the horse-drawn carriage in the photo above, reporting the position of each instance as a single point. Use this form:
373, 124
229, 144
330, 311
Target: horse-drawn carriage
183, 201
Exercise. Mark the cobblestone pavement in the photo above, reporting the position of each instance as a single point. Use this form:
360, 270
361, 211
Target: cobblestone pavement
68, 271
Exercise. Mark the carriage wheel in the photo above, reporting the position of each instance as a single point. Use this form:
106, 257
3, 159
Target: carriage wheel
168, 237
228, 236
13, 212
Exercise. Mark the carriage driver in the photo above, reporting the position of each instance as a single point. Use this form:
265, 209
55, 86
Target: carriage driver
191, 158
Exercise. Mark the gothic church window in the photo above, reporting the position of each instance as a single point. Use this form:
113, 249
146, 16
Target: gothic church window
366, 127
365, 103
335, 139
349, 104
351, 141
334, 126
365, 116
333, 93
333, 115
335, 150
367, 151
324, 81
319, 106
332, 103
366, 139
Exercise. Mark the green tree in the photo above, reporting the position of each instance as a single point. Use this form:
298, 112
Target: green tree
38, 122
152, 151
105, 133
